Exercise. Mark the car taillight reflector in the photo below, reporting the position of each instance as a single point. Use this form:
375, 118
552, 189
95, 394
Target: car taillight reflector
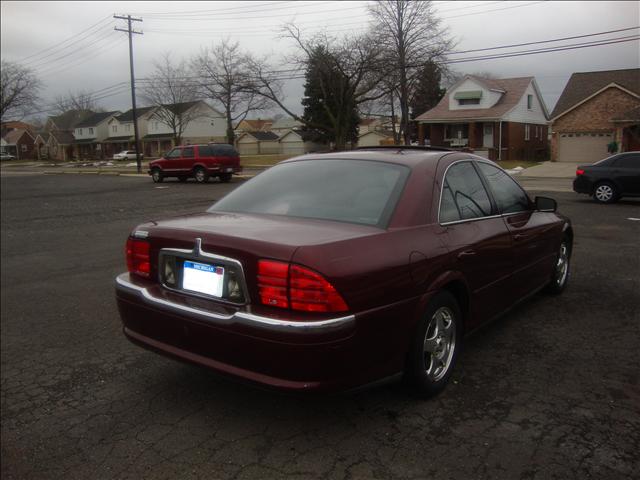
297, 287
311, 292
579, 171
272, 283
138, 260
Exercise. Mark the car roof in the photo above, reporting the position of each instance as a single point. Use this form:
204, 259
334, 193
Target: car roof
424, 158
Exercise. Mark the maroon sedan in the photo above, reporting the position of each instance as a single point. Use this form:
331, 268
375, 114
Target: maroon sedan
336, 270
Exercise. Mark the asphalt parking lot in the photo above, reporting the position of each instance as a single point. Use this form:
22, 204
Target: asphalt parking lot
551, 391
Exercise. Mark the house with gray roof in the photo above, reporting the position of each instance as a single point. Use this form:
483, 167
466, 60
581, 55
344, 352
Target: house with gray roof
500, 119
596, 112
90, 133
258, 143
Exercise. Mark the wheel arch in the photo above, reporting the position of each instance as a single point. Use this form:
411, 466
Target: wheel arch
454, 283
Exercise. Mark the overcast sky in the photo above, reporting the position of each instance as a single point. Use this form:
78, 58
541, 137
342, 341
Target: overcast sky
72, 45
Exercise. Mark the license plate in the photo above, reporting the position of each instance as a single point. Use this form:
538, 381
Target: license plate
203, 278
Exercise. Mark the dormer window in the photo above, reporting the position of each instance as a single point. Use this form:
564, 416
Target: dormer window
469, 97
529, 102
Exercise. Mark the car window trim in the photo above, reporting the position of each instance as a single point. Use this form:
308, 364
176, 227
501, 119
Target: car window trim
491, 200
510, 178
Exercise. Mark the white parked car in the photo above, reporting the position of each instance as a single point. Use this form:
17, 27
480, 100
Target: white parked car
126, 155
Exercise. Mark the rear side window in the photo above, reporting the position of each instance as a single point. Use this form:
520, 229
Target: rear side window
187, 152
507, 193
354, 191
628, 161
463, 195
224, 151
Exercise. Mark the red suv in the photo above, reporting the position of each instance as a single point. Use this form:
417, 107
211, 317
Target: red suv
197, 161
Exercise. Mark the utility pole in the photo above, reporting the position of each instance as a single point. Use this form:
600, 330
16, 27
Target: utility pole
130, 31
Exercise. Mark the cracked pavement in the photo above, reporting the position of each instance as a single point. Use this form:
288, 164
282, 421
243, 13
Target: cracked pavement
550, 391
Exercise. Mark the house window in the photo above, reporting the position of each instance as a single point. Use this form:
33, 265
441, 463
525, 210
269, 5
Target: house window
23, 147
456, 131
529, 102
90, 131
127, 128
156, 125
114, 128
527, 132
79, 131
469, 101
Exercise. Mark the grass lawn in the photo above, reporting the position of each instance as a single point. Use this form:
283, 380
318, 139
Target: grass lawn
507, 164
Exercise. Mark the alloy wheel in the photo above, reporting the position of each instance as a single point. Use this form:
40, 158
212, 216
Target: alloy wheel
604, 193
562, 265
439, 343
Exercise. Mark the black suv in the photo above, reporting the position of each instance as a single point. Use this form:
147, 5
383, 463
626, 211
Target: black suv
610, 179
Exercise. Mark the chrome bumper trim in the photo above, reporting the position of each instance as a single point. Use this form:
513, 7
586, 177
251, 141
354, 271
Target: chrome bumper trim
268, 323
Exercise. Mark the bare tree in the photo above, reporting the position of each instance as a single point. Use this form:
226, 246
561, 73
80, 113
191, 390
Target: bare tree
349, 72
411, 34
170, 89
19, 89
82, 101
224, 77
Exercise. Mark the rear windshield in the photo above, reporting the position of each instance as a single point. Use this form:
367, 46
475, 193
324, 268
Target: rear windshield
355, 191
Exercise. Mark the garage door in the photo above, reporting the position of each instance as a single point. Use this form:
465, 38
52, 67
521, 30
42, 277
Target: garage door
292, 148
583, 147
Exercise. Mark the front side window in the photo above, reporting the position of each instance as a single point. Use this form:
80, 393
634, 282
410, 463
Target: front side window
175, 153
463, 195
507, 193
354, 191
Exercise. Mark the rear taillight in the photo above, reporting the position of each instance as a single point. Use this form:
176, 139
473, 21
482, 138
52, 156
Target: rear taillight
138, 260
272, 283
293, 286
579, 171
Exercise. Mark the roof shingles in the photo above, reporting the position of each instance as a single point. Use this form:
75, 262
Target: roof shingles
513, 89
584, 84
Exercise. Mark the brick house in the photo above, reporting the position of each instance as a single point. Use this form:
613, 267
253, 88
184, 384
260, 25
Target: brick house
594, 110
500, 119
19, 143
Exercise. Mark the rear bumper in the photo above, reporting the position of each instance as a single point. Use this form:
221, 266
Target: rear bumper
582, 185
321, 355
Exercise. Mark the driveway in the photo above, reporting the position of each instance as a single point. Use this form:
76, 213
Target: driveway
551, 170
551, 391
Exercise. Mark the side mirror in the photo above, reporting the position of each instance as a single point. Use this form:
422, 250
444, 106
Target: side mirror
546, 204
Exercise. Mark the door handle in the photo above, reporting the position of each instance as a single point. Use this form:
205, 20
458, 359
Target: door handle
466, 253
520, 236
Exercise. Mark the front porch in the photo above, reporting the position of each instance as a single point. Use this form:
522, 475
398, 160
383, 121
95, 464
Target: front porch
483, 138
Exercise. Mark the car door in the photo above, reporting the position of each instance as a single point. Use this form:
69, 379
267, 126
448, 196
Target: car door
533, 233
478, 239
171, 161
626, 172
187, 159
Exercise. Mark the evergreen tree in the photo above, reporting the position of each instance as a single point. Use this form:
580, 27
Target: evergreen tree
330, 111
427, 92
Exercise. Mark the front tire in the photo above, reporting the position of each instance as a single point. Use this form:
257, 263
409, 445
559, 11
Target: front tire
201, 175
605, 192
435, 347
156, 175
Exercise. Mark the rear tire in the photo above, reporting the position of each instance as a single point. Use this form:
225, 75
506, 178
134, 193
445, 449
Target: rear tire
201, 175
225, 177
156, 175
561, 270
605, 192
435, 346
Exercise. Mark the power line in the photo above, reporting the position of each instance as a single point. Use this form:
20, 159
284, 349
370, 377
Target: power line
73, 37
543, 41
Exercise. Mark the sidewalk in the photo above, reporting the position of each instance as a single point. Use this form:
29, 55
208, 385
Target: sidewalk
551, 170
